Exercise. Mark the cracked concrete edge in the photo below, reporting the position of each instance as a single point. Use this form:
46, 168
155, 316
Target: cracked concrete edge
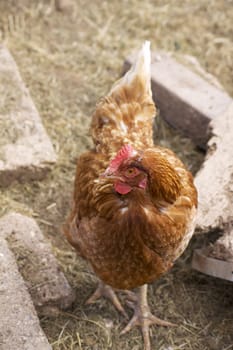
214, 180
27, 152
47, 284
19, 326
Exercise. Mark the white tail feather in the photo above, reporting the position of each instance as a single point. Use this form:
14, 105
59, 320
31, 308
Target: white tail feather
141, 68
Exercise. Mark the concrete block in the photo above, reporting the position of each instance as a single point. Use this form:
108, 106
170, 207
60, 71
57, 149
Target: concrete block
185, 100
46, 283
26, 151
214, 181
19, 325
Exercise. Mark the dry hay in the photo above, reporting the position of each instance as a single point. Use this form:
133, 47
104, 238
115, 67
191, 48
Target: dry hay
69, 59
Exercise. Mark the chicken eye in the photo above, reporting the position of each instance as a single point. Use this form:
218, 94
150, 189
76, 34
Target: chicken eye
131, 172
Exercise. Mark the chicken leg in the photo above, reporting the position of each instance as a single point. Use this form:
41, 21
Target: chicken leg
143, 317
103, 290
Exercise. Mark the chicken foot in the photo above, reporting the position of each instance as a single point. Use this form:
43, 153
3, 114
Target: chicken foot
143, 317
103, 290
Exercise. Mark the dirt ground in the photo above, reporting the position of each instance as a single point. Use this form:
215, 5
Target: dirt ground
69, 59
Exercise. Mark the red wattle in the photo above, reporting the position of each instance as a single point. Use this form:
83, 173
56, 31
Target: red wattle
122, 188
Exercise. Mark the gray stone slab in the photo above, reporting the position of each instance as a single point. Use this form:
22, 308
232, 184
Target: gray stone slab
19, 325
46, 283
185, 100
26, 151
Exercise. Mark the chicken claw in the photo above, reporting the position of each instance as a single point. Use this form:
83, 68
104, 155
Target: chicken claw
143, 317
103, 290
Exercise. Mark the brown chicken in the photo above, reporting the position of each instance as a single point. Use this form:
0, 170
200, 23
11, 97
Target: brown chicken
134, 203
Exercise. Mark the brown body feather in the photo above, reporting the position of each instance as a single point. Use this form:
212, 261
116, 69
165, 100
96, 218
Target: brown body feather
130, 239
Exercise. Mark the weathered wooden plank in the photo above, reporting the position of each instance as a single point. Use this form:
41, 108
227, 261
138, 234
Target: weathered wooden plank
213, 267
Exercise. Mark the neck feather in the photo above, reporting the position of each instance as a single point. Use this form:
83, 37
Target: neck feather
164, 182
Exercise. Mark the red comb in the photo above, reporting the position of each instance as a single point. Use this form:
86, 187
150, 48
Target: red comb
125, 152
